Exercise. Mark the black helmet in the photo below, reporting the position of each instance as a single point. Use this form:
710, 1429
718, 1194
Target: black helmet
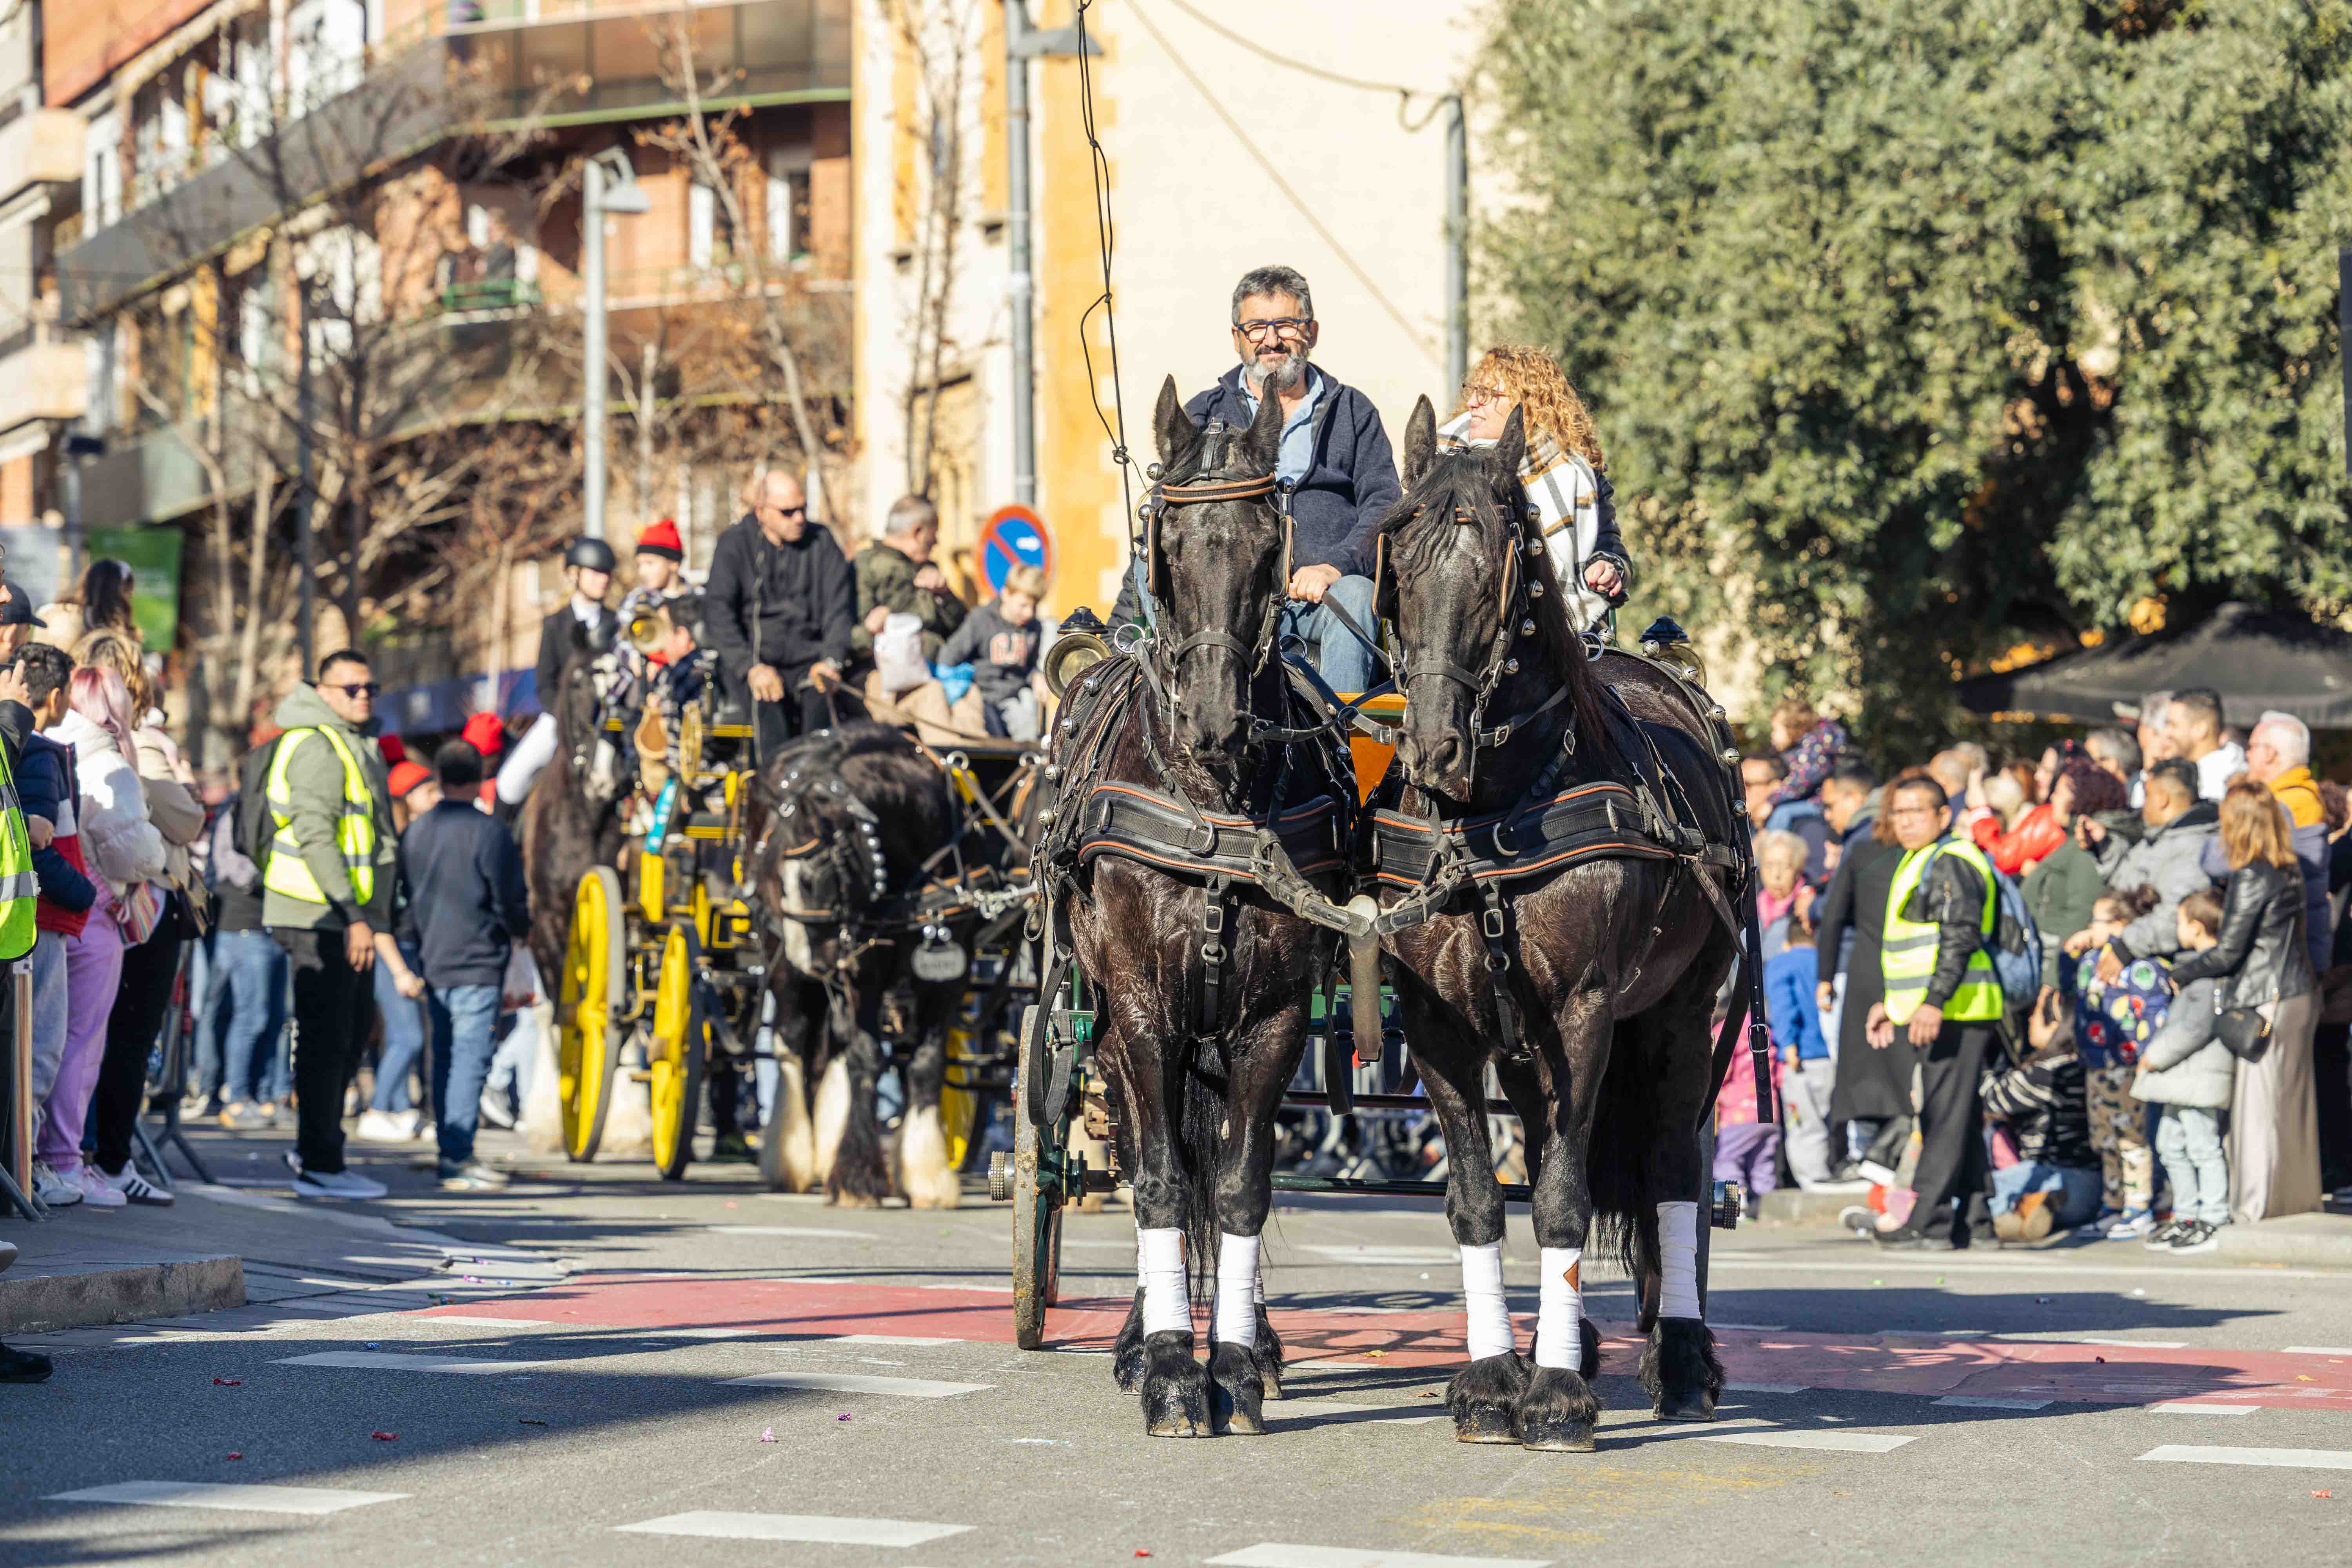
593, 554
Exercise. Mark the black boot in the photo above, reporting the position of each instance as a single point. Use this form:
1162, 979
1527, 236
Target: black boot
23, 1366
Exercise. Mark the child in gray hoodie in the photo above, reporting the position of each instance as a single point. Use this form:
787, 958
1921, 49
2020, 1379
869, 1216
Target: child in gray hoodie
2187, 1070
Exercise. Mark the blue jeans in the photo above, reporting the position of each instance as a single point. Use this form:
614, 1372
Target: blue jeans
204, 1000
465, 1025
250, 972
2077, 1188
2189, 1144
1344, 661
404, 1037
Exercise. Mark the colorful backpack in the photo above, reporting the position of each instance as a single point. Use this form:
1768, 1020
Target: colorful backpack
2113, 1022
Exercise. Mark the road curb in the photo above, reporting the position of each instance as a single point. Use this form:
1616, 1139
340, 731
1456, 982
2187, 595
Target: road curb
31, 1302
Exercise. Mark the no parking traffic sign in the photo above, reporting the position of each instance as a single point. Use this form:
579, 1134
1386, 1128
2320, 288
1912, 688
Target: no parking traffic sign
1015, 536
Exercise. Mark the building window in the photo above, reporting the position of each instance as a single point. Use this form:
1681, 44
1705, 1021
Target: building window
326, 51
788, 203
709, 229
101, 174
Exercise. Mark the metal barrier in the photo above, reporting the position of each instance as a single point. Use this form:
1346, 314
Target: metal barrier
16, 1082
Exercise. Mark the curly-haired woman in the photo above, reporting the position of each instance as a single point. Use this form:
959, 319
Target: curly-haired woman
1563, 471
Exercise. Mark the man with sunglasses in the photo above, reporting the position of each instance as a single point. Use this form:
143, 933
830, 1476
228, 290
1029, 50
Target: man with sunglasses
326, 887
778, 610
1335, 459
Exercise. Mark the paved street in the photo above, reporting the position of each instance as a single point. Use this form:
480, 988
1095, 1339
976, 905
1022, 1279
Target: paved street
756, 1378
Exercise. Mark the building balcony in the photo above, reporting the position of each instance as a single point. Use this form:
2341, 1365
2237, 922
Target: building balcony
41, 148
42, 381
464, 70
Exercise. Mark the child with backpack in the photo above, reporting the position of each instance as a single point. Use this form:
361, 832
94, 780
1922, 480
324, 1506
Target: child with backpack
2112, 1022
2187, 1070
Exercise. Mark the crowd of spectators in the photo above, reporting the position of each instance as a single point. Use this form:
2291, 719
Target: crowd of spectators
2181, 1065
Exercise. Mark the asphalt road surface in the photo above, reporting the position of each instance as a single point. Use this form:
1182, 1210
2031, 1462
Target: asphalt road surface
627, 1372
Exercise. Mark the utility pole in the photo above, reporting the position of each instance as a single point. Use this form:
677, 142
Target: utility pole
1457, 244
607, 185
2344, 343
304, 492
1023, 44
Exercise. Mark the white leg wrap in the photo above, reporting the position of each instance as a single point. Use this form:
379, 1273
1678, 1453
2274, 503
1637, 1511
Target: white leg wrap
1678, 1259
1236, 1311
1482, 1298
1159, 1264
1560, 1311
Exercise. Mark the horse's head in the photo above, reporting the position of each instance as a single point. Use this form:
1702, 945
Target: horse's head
589, 678
1472, 586
1217, 557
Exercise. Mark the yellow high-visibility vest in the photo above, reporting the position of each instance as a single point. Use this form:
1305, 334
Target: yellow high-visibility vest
354, 825
20, 890
1907, 954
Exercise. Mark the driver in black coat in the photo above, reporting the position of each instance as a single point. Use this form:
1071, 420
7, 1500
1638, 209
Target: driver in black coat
588, 566
778, 611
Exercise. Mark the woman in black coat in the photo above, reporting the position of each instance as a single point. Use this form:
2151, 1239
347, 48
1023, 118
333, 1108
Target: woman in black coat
2263, 960
1872, 1085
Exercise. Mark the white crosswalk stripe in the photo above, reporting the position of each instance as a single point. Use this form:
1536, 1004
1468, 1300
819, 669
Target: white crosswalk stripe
858, 1382
1282, 1554
1976, 1401
386, 1360
2201, 1407
803, 1527
2284, 1459
242, 1499
1829, 1442
890, 1339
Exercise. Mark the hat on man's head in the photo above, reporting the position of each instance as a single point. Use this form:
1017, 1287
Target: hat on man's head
406, 775
16, 610
485, 733
661, 539
394, 751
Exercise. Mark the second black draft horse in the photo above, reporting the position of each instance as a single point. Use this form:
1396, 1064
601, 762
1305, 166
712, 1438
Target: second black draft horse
1587, 988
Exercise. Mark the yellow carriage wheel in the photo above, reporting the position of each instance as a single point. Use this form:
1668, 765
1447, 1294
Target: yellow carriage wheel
591, 996
676, 1051
960, 1099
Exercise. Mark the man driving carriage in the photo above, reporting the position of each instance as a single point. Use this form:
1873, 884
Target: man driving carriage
779, 608
1338, 474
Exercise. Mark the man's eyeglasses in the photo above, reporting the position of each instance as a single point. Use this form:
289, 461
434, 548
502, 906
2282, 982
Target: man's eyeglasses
358, 688
1281, 326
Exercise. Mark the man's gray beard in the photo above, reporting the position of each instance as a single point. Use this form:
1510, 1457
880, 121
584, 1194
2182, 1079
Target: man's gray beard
1283, 377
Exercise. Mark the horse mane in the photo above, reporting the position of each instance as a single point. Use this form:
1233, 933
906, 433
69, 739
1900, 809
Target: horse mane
1420, 534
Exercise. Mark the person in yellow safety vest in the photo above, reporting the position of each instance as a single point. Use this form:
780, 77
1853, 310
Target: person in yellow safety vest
1942, 988
326, 894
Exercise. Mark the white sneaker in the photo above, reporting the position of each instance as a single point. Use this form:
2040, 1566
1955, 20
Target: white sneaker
388, 1126
495, 1110
95, 1190
2135, 1223
345, 1185
53, 1189
138, 1188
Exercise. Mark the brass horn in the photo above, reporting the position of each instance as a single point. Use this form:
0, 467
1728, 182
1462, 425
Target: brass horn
648, 629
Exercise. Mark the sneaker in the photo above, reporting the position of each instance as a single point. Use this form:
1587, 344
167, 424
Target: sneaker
138, 1188
473, 1176
2197, 1236
23, 1366
53, 1189
1903, 1239
495, 1110
1872, 1172
388, 1126
246, 1117
2165, 1235
2133, 1223
347, 1185
1858, 1219
95, 1190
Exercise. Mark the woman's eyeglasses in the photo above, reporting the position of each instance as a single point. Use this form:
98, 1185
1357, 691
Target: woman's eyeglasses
1478, 396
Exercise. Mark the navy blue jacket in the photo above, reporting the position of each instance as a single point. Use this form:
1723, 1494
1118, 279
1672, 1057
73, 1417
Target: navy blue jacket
1350, 486
40, 783
467, 898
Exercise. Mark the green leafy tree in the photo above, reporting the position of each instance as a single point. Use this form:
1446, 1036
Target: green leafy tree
1916, 328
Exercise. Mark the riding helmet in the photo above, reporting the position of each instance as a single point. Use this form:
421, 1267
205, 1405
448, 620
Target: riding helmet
592, 553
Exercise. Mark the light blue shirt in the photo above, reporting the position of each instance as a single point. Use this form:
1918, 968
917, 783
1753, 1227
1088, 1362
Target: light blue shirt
1298, 431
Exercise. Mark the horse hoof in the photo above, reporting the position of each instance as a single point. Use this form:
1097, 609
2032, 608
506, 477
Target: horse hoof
1564, 1438
1235, 1393
1175, 1387
852, 1200
1487, 1424
1692, 1404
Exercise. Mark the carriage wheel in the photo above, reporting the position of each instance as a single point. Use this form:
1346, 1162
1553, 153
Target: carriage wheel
1036, 1227
677, 1052
594, 985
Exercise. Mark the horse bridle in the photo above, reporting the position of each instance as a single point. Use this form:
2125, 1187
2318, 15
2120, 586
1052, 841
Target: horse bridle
1202, 492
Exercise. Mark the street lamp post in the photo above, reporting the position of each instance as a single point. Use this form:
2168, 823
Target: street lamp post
608, 185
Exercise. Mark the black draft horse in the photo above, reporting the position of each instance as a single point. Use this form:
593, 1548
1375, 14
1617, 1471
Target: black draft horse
570, 821
1610, 965
843, 823
1195, 1108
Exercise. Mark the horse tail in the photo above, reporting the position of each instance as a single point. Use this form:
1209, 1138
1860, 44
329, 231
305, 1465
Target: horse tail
1625, 1206
1201, 1138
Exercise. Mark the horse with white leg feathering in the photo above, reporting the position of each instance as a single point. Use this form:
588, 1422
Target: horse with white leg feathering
1558, 867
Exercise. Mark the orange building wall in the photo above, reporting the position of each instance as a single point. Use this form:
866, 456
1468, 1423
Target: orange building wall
82, 44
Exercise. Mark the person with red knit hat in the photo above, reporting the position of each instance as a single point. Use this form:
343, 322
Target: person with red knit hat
486, 733
661, 559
